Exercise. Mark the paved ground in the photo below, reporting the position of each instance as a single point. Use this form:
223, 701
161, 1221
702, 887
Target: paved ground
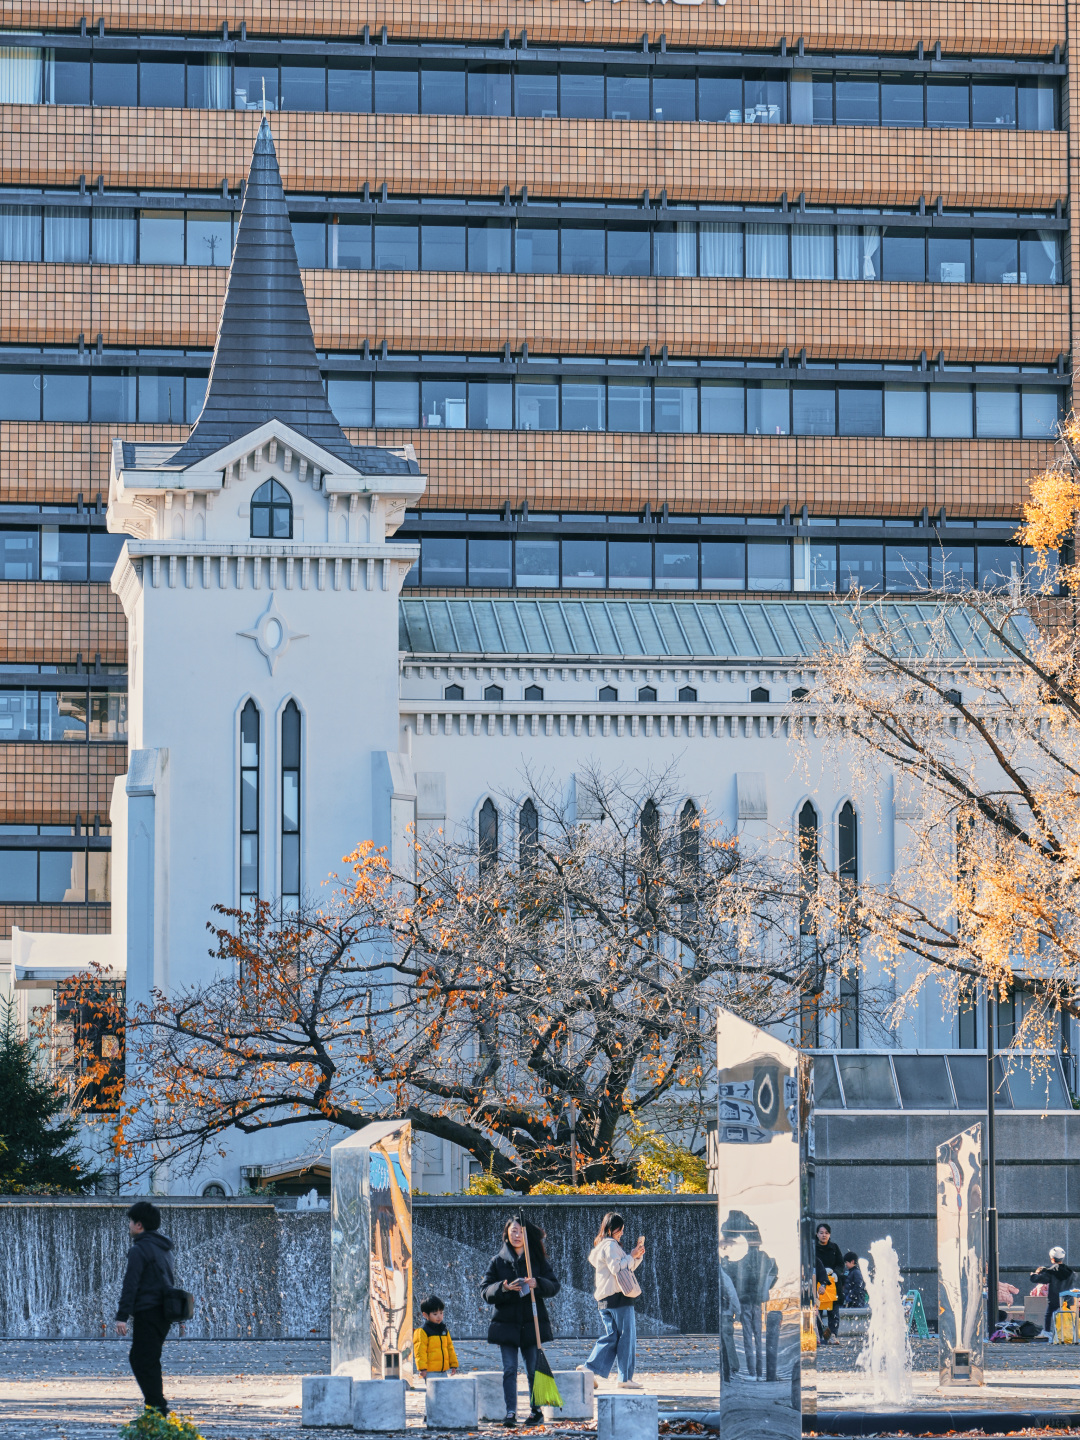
250, 1390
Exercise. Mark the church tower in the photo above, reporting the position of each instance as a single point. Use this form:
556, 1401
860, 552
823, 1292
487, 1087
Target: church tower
260, 583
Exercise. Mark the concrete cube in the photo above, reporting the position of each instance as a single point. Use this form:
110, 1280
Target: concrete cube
489, 1394
327, 1400
576, 1389
378, 1406
451, 1403
627, 1415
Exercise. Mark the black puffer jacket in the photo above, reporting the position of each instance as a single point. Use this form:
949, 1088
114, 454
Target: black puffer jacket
148, 1275
512, 1323
1056, 1278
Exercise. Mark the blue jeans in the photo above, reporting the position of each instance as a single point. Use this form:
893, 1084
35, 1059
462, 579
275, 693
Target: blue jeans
617, 1344
510, 1373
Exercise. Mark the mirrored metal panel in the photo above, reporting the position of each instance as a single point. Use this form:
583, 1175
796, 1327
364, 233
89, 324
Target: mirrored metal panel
960, 1258
764, 1151
371, 1253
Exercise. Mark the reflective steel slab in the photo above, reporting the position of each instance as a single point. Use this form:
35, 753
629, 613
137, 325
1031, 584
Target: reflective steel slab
961, 1307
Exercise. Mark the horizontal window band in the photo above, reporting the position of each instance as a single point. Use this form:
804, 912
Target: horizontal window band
73, 843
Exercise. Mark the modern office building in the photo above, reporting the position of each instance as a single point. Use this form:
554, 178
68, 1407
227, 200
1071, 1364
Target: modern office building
695, 298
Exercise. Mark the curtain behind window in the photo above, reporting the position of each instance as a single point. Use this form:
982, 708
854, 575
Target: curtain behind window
812, 252
685, 249
1048, 241
20, 75
211, 91
721, 249
766, 252
20, 232
67, 234
114, 236
856, 252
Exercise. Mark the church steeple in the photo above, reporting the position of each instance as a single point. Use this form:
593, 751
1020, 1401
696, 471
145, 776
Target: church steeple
265, 366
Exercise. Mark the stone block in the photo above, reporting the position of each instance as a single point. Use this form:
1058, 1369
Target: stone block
576, 1388
326, 1401
855, 1321
378, 1406
451, 1403
490, 1404
627, 1416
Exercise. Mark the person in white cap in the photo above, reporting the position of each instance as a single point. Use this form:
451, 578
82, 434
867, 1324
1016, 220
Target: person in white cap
1056, 1277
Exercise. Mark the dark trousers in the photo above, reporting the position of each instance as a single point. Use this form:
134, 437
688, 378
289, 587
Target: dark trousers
148, 1331
834, 1319
510, 1373
751, 1340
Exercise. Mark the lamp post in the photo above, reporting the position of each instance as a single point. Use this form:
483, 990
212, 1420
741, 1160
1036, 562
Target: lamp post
990, 1177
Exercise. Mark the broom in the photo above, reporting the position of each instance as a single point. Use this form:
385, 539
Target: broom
544, 1389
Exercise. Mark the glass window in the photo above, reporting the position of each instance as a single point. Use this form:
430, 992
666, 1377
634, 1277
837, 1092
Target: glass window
112, 398
860, 568
1040, 258
720, 98
67, 234
251, 74
18, 876
675, 250
723, 565
998, 566
161, 237
721, 246
581, 95
303, 86
583, 405
582, 250
538, 250
114, 235
767, 408
20, 395
195, 396
813, 410
209, 77
536, 94
1036, 104
969, 1081
350, 399
868, 1083
993, 104
673, 97
905, 567
116, 82
290, 802
765, 100
905, 410
70, 78
584, 564
901, 101
442, 559
628, 97
396, 89
537, 405
903, 256
768, 565
538, 563
444, 404
249, 800
628, 252
856, 101
766, 252
1040, 412
676, 565
19, 554
821, 567
309, 237
397, 246
20, 232
1035, 1083
949, 259
62, 876
489, 563
676, 408
489, 92
629, 407
952, 568
63, 555
442, 247
995, 260
104, 552
209, 238
997, 413
826, 1088
349, 244
442, 90
490, 405
65, 397
489, 247
18, 714
923, 1081
812, 255
629, 565
860, 410
271, 512
348, 87
947, 103
397, 402
950, 410
722, 409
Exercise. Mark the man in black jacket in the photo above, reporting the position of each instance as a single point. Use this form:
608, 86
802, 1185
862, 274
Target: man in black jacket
1056, 1276
831, 1256
148, 1276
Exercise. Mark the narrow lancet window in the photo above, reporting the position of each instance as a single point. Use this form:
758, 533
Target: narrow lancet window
249, 803
290, 805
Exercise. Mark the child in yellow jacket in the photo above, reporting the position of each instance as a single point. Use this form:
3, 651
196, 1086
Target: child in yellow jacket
433, 1348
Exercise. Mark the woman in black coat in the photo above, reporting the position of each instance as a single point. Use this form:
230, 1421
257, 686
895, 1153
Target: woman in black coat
506, 1286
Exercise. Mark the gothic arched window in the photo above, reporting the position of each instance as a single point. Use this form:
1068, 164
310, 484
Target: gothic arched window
809, 1036
848, 857
528, 835
489, 836
249, 802
290, 804
271, 512
650, 833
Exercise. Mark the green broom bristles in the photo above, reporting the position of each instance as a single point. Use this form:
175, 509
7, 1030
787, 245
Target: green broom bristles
544, 1390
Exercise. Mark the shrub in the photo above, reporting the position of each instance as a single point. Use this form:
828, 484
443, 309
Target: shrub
152, 1425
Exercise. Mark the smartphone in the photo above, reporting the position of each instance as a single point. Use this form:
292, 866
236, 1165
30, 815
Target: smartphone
641, 1239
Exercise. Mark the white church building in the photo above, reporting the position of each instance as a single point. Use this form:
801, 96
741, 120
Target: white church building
287, 701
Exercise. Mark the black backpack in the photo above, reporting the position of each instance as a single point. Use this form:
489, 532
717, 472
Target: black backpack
177, 1304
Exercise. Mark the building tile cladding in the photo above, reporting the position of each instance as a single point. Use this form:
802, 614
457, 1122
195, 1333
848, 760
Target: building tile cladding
63, 919
434, 311
47, 623
980, 27
579, 159
51, 784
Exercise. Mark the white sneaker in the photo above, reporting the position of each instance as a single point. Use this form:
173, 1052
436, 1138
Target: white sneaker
629, 1385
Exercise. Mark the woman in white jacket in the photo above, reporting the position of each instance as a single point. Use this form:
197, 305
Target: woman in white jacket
618, 1339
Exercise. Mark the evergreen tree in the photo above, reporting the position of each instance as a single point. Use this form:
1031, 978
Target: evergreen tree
38, 1149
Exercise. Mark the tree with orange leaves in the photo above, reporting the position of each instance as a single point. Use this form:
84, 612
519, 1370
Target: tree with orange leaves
499, 1002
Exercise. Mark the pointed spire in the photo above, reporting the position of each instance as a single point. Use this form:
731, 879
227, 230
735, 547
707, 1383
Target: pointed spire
265, 366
